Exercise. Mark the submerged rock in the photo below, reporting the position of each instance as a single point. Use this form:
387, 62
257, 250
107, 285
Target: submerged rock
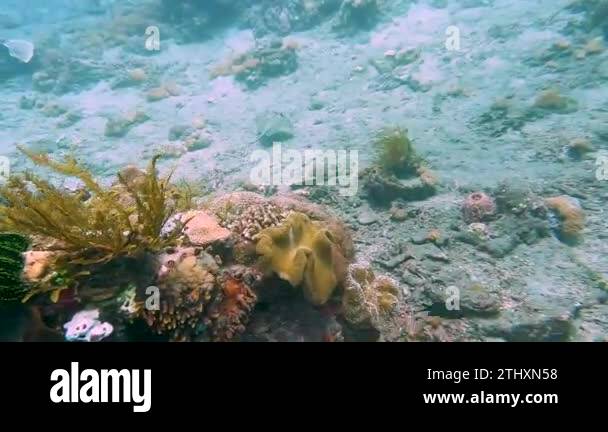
384, 188
120, 126
355, 15
273, 127
367, 217
473, 300
553, 101
543, 329
268, 16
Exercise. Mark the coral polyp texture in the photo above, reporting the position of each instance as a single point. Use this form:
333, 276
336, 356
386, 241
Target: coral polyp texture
187, 284
568, 218
368, 300
303, 253
229, 315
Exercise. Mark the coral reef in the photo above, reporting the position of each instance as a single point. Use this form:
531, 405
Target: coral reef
197, 300
202, 228
303, 253
155, 276
187, 285
247, 213
229, 315
478, 207
368, 300
567, 218
12, 262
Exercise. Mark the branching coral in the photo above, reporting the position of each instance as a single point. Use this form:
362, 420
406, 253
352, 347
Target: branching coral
303, 253
97, 229
368, 299
12, 262
252, 220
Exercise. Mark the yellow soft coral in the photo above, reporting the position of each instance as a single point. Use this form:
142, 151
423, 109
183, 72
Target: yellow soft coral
570, 214
301, 252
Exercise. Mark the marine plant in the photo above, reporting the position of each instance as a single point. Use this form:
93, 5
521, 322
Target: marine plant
303, 253
395, 151
12, 262
99, 228
185, 193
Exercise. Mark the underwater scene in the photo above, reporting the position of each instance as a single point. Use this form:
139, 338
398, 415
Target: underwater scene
303, 170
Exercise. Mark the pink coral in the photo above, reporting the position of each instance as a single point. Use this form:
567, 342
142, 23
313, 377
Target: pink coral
478, 207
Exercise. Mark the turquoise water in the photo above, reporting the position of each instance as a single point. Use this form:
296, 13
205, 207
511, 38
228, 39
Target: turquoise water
504, 98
